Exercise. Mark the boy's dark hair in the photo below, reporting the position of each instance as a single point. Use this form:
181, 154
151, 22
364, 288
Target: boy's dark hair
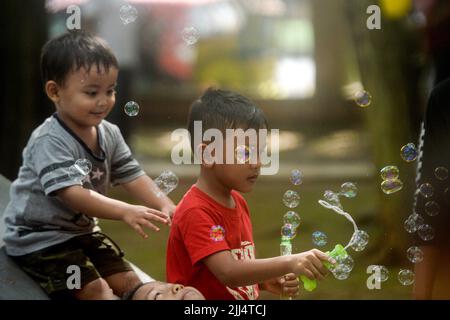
74, 50
223, 109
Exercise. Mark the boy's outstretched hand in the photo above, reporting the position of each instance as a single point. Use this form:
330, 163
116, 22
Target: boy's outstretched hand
138, 217
310, 264
287, 285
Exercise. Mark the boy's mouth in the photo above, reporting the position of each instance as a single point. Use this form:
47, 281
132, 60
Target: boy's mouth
253, 178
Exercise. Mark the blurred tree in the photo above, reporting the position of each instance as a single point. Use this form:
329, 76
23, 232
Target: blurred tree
389, 65
24, 105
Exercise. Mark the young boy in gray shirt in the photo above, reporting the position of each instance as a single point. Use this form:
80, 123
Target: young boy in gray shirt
51, 218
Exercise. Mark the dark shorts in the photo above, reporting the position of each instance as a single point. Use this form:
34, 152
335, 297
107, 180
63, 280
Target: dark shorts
95, 254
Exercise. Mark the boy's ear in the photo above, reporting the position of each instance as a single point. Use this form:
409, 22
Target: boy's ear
52, 90
206, 159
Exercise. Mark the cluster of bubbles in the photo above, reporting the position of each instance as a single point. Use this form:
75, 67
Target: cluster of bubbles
291, 221
128, 14
190, 35
166, 182
348, 190
217, 233
131, 108
342, 268
80, 169
359, 240
362, 98
319, 238
391, 182
409, 152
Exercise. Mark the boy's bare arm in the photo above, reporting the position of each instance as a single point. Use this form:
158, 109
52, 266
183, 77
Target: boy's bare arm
238, 273
425, 273
94, 204
143, 188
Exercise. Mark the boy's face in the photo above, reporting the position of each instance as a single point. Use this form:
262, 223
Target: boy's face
86, 98
243, 173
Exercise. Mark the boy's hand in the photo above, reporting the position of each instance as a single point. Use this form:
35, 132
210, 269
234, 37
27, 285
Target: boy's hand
138, 217
310, 264
287, 285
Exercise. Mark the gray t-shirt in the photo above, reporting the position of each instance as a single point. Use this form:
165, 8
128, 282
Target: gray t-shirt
35, 218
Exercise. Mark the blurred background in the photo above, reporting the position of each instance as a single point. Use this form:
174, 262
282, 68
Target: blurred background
301, 61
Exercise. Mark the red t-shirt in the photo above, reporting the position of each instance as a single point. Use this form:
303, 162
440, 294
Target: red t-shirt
201, 226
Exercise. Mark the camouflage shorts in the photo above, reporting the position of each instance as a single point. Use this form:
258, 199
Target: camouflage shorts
95, 254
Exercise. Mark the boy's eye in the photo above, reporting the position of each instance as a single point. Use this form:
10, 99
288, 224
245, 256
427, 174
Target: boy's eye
111, 92
242, 154
91, 93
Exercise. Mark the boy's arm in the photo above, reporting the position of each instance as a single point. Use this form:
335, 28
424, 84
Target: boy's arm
94, 204
425, 273
238, 273
143, 189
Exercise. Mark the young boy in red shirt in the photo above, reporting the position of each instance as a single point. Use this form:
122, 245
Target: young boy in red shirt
210, 245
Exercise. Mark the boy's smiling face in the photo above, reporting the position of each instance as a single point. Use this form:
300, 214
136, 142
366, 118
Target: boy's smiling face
85, 98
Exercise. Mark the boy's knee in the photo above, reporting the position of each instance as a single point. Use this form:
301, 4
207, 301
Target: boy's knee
95, 290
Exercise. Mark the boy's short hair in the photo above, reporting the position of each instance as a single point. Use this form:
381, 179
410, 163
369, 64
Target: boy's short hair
223, 109
74, 50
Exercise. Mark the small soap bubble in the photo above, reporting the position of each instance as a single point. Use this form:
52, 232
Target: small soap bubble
381, 273
414, 254
319, 238
131, 108
217, 233
363, 98
340, 272
413, 222
128, 14
349, 190
190, 35
409, 152
391, 186
346, 263
291, 199
167, 181
288, 231
81, 168
332, 198
426, 190
441, 173
406, 277
432, 208
296, 177
425, 232
292, 217
359, 240
389, 173
242, 154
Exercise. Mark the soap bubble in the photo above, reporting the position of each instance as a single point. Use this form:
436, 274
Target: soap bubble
409, 152
432, 208
332, 198
340, 272
167, 181
131, 108
217, 233
363, 98
242, 154
80, 169
413, 222
406, 277
288, 232
426, 190
292, 217
190, 35
426, 232
346, 263
389, 173
391, 186
128, 14
414, 254
441, 173
349, 190
359, 240
296, 177
291, 199
319, 238
381, 273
